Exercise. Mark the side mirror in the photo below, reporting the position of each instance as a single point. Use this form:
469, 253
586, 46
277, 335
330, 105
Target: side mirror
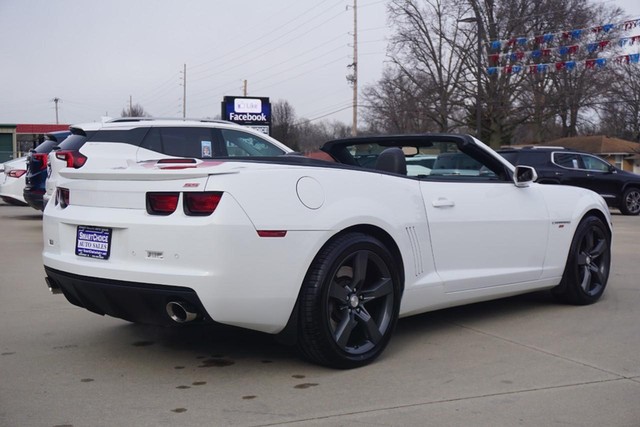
524, 175
612, 169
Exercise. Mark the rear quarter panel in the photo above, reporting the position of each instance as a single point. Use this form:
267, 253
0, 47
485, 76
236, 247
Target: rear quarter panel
327, 201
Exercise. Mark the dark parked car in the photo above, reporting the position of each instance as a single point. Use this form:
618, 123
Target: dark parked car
37, 169
557, 165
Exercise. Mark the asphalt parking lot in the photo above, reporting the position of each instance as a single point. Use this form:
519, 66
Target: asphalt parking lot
524, 361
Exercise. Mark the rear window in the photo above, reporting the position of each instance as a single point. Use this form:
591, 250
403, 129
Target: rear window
533, 157
74, 142
191, 142
50, 141
207, 143
511, 157
46, 146
129, 136
242, 144
567, 160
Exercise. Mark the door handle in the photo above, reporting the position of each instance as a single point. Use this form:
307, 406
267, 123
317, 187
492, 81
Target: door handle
443, 203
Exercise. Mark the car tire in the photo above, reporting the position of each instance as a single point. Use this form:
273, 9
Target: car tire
630, 202
588, 264
349, 302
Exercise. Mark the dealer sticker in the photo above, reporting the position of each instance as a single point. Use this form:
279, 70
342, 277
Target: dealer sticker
93, 242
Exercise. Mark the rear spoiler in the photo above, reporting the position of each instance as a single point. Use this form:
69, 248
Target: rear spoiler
155, 170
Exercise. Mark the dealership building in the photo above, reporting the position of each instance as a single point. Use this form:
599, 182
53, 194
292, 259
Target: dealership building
17, 139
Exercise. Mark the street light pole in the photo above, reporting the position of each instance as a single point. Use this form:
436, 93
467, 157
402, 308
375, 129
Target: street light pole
478, 75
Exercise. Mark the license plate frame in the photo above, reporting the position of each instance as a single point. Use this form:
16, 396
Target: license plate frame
93, 242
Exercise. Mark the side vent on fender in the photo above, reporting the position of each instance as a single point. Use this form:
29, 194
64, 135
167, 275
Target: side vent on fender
417, 252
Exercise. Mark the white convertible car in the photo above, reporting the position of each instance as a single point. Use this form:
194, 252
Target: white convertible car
327, 254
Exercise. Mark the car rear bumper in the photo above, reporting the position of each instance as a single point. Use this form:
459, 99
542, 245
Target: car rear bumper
33, 197
135, 302
11, 190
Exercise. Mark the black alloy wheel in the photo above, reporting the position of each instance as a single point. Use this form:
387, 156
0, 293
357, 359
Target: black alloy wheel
587, 270
631, 202
349, 302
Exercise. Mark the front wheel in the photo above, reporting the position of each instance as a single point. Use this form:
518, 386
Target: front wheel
630, 202
587, 270
349, 302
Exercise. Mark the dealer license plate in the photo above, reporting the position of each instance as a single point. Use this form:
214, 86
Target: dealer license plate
93, 242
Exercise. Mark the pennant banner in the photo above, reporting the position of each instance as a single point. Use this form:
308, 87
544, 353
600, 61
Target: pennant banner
519, 55
564, 65
563, 36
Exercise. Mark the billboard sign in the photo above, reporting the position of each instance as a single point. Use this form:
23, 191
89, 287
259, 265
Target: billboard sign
247, 111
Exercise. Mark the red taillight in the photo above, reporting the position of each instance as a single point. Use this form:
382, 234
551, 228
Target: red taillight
194, 204
201, 204
63, 197
74, 159
16, 173
162, 203
42, 158
65, 156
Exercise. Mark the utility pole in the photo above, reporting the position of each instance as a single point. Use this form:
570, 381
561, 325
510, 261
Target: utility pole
184, 91
354, 126
55, 101
130, 104
244, 88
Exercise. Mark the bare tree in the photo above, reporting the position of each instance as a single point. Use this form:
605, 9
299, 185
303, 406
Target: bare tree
537, 100
134, 110
425, 52
311, 135
394, 104
620, 111
283, 118
432, 83
506, 101
573, 92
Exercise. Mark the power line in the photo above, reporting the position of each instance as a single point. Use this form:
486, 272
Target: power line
224, 87
267, 52
241, 52
304, 73
323, 116
310, 51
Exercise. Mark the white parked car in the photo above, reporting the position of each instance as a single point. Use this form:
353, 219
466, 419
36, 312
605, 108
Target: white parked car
326, 254
115, 142
13, 181
66, 154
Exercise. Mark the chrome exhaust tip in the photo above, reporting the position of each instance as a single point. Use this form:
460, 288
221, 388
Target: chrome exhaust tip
181, 312
53, 286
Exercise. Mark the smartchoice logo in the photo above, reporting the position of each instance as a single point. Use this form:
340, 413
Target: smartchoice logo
247, 117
